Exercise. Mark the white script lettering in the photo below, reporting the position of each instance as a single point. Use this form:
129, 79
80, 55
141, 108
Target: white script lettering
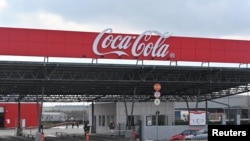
138, 45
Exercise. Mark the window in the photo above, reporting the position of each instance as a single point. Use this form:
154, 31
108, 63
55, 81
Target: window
108, 120
151, 120
103, 120
137, 120
112, 118
94, 121
244, 113
130, 121
134, 120
100, 120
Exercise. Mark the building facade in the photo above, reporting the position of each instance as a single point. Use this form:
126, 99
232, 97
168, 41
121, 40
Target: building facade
9, 114
124, 116
228, 106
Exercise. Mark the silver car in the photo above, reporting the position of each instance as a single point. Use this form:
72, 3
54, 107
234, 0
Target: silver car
200, 135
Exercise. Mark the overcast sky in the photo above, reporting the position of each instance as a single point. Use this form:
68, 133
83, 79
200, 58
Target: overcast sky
199, 18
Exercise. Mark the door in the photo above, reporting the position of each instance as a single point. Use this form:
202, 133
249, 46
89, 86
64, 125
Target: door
1, 120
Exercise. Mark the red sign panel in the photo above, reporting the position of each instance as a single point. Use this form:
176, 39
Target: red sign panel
149, 45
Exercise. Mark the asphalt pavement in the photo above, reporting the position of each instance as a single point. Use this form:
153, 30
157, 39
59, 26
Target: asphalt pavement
60, 133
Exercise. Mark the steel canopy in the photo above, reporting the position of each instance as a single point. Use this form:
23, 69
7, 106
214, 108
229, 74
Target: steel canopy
87, 82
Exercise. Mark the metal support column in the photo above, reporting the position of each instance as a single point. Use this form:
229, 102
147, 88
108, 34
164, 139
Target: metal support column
132, 109
93, 115
126, 110
18, 129
198, 99
40, 112
186, 100
40, 127
248, 106
19, 114
206, 113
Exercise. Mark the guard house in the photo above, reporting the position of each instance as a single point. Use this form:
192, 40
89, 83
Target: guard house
127, 115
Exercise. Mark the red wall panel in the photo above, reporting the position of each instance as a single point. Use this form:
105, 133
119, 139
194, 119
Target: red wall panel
202, 44
55, 43
55, 49
16, 34
72, 50
38, 36
231, 45
4, 34
28, 112
4, 47
74, 37
18, 47
203, 55
36, 48
231, 55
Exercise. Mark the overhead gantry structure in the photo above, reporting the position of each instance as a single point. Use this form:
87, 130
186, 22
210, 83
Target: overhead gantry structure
88, 82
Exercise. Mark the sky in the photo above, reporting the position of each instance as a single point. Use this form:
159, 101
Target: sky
198, 18
227, 19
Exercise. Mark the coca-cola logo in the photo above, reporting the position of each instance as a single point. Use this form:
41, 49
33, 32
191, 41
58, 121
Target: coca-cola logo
140, 45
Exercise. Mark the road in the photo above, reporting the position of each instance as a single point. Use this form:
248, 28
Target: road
60, 133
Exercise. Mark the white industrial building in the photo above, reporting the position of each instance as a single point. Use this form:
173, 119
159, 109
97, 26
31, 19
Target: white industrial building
119, 112
106, 112
233, 105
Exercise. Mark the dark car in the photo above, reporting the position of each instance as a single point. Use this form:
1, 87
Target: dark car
180, 136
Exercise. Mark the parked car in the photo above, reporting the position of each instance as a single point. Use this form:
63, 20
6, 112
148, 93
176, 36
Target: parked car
200, 135
180, 136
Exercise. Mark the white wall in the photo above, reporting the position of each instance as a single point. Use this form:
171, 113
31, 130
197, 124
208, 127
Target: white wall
119, 112
144, 108
102, 109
